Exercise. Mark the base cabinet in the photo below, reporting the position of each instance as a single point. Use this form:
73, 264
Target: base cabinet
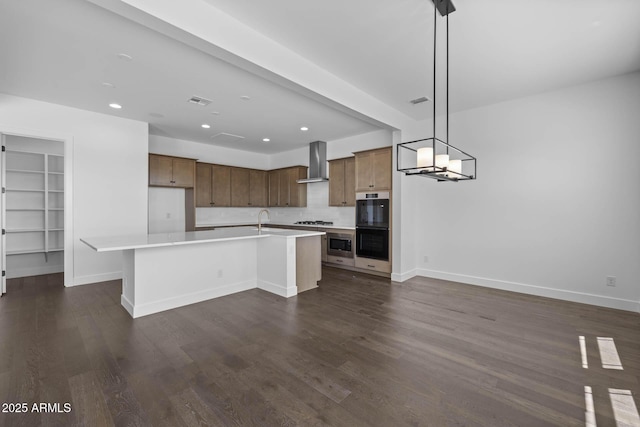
373, 264
340, 260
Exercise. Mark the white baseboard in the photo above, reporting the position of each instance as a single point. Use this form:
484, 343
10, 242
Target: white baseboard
401, 277
182, 300
277, 289
561, 294
96, 278
126, 304
13, 273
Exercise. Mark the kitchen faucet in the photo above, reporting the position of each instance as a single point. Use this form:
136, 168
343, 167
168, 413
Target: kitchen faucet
260, 216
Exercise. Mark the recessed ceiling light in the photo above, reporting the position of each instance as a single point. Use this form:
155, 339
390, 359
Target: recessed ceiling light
157, 115
304, 128
245, 97
125, 57
206, 126
116, 106
109, 85
215, 113
265, 140
596, 23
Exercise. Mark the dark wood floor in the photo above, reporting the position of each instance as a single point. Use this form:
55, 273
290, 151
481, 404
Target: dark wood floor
357, 351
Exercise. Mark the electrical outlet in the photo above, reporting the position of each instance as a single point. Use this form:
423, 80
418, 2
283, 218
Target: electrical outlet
426, 259
611, 280
219, 273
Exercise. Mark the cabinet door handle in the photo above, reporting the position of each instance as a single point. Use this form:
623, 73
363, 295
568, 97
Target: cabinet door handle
372, 266
338, 260
212, 203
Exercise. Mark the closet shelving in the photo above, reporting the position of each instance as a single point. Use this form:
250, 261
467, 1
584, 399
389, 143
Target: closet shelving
35, 202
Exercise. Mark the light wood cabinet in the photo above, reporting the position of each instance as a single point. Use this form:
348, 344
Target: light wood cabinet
373, 264
248, 187
213, 185
284, 191
221, 186
297, 192
342, 186
373, 170
274, 188
167, 171
257, 187
239, 187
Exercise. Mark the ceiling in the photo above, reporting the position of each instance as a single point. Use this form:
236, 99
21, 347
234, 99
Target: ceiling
499, 50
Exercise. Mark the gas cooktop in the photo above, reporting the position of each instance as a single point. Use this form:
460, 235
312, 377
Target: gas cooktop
315, 222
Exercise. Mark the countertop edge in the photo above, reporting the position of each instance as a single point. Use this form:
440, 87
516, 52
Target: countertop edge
264, 234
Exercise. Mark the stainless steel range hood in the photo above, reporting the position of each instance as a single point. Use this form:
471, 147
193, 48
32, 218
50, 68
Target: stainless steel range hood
317, 163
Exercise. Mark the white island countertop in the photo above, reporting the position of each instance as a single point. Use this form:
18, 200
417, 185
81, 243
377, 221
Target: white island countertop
140, 241
278, 224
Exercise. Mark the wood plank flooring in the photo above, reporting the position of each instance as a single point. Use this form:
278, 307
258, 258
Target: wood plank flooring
357, 351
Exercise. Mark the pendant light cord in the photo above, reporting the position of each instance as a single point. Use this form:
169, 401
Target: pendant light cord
447, 80
435, 35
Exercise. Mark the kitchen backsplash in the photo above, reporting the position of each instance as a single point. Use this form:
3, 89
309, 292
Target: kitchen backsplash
317, 209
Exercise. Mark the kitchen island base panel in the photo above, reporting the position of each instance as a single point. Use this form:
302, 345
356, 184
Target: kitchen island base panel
157, 279
275, 253
161, 278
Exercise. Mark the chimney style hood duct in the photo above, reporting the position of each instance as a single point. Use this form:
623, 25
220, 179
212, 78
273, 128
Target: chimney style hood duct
317, 163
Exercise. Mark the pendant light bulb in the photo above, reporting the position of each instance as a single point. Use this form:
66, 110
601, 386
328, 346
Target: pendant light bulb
425, 157
442, 160
455, 168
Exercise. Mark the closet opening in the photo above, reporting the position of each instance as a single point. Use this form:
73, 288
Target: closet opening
33, 188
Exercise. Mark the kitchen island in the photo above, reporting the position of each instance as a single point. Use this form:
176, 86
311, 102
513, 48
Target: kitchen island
169, 270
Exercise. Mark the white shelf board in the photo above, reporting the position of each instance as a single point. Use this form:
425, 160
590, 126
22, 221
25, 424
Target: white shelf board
25, 171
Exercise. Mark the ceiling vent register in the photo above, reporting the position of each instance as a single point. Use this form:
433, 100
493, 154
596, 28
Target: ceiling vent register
198, 100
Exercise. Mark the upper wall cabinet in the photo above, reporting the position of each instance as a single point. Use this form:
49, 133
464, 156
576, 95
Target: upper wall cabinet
213, 185
373, 170
284, 191
167, 171
248, 187
258, 187
342, 185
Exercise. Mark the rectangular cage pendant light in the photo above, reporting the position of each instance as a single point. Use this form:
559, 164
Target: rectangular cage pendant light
433, 157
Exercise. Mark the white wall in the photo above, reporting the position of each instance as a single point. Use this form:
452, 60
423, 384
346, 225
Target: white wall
166, 210
554, 210
109, 173
207, 153
336, 149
